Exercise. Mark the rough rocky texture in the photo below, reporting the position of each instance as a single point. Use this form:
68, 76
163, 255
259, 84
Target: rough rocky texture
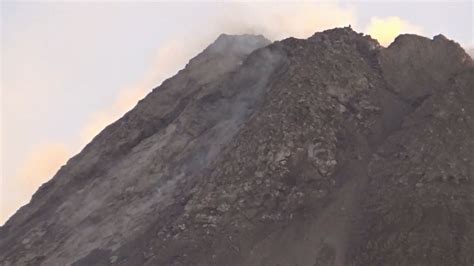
327, 151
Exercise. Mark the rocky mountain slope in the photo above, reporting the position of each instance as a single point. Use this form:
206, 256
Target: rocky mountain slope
327, 151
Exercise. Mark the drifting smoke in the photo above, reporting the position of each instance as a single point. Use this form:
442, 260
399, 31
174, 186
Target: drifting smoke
275, 21
279, 21
385, 30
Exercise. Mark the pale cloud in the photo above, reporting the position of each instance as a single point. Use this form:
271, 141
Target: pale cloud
275, 21
386, 29
168, 59
44, 160
126, 99
39, 165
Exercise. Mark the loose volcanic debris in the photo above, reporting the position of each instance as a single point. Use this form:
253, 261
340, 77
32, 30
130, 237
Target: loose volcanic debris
327, 151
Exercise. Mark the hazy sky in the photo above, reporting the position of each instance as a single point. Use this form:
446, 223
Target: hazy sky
68, 69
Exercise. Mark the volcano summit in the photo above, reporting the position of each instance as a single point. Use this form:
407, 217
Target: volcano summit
331, 150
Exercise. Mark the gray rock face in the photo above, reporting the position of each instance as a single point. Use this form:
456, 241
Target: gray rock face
325, 151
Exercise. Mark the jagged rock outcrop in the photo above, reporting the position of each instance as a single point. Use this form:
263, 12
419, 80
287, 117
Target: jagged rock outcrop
327, 151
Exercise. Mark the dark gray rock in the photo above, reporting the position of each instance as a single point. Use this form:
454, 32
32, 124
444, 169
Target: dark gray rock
326, 151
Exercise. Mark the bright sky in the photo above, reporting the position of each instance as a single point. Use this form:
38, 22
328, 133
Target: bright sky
69, 69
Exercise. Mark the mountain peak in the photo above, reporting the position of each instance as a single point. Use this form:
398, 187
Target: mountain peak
434, 60
243, 43
325, 151
344, 35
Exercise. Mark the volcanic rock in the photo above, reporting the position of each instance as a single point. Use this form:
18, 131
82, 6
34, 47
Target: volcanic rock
331, 150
